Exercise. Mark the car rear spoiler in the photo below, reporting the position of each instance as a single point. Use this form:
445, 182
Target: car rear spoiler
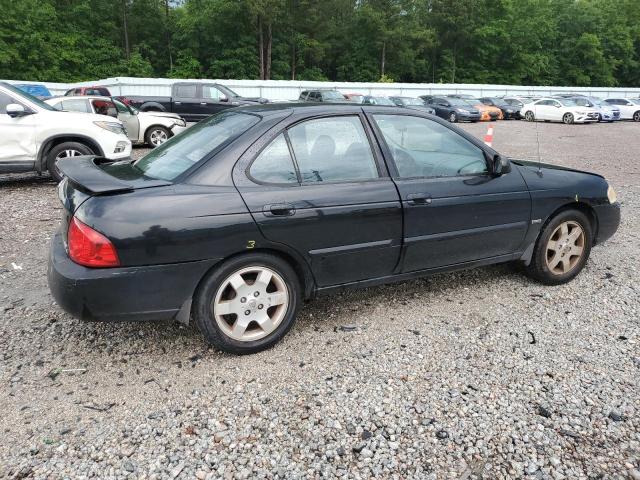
85, 173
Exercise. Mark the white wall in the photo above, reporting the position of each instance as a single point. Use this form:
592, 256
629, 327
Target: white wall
289, 89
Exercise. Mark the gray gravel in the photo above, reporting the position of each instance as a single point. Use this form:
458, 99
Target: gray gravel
476, 374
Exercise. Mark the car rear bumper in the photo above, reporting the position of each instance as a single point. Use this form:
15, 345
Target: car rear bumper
155, 292
608, 221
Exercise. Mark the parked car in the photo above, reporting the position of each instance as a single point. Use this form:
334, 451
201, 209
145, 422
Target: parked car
193, 101
96, 90
354, 97
209, 225
373, 100
487, 113
517, 102
413, 104
629, 108
322, 95
35, 135
509, 111
152, 128
558, 110
36, 89
454, 109
606, 112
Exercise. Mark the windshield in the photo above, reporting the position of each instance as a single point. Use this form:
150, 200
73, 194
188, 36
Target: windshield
458, 102
176, 156
227, 91
381, 101
332, 95
412, 101
29, 97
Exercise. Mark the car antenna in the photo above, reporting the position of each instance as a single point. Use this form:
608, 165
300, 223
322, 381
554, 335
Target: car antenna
539, 172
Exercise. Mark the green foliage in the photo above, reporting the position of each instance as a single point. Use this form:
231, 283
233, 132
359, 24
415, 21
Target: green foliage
532, 42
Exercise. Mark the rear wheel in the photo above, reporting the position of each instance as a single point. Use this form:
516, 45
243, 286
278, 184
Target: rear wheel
568, 118
156, 136
64, 150
247, 304
529, 116
562, 249
453, 118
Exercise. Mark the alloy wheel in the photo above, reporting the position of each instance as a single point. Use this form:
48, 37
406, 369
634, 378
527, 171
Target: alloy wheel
568, 118
65, 154
565, 248
529, 116
453, 118
636, 117
251, 303
158, 137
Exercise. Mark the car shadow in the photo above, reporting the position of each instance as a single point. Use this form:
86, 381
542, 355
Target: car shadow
25, 179
320, 315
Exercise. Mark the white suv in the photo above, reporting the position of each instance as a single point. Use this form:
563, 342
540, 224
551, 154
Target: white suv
33, 135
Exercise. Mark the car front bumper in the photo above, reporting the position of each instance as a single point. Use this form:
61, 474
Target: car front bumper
469, 117
608, 221
156, 292
176, 129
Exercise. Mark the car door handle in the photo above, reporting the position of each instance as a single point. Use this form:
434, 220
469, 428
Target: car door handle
177, 103
419, 199
203, 103
279, 210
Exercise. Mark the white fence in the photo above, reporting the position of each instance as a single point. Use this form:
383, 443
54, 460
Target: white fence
290, 89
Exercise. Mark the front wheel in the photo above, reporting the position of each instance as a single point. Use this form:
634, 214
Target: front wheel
567, 118
453, 118
156, 136
247, 304
562, 249
64, 150
529, 116
636, 117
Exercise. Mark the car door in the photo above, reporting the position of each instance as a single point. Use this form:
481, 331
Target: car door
213, 100
130, 121
186, 101
542, 110
455, 211
17, 142
556, 111
320, 187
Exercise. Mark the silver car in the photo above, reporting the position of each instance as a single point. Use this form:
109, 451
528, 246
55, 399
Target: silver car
606, 112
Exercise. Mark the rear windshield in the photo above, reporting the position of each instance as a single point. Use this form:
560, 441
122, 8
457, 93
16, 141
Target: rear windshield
170, 160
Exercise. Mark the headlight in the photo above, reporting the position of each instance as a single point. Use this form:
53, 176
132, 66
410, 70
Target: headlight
112, 127
181, 123
611, 195
462, 110
579, 112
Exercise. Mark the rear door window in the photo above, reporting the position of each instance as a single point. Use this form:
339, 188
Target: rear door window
186, 91
77, 105
333, 149
104, 107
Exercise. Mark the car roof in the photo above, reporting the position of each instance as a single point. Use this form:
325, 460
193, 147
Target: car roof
80, 97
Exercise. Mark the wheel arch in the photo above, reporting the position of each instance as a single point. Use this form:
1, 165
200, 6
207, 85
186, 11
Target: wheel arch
152, 107
144, 136
581, 207
55, 140
302, 269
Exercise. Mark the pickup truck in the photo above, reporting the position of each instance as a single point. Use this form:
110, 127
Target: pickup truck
193, 101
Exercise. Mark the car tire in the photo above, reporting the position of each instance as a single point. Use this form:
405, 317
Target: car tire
600, 118
562, 249
64, 150
453, 118
636, 116
156, 135
251, 325
529, 116
567, 118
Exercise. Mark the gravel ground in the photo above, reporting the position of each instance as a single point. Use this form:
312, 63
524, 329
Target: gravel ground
476, 374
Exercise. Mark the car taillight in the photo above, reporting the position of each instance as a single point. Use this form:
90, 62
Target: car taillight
90, 248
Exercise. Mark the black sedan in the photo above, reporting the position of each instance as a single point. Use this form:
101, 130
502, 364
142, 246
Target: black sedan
509, 112
412, 103
454, 109
239, 219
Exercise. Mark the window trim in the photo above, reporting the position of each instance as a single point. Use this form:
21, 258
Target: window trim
390, 162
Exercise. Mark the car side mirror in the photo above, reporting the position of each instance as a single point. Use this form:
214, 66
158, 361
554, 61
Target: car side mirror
16, 110
224, 98
501, 165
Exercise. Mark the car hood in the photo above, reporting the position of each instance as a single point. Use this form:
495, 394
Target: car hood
159, 114
550, 167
